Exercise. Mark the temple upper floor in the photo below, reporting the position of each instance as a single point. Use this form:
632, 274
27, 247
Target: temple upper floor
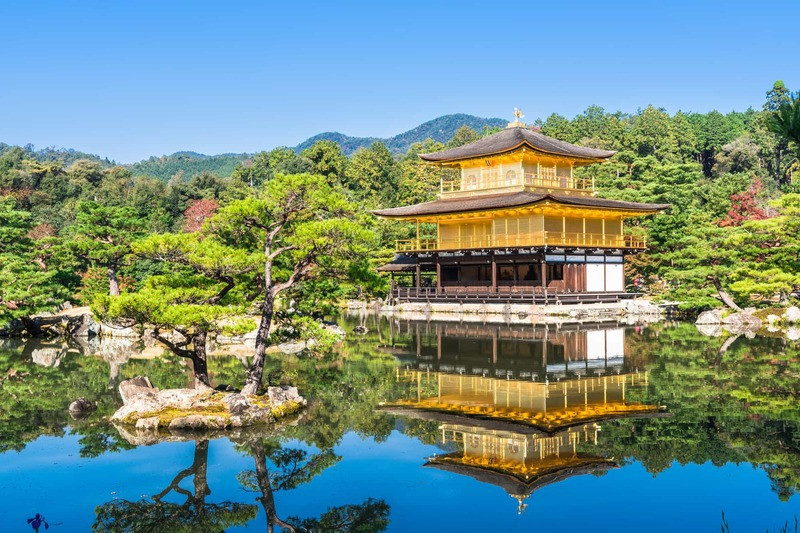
517, 158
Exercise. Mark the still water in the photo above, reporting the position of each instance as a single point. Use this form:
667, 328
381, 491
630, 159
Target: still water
425, 427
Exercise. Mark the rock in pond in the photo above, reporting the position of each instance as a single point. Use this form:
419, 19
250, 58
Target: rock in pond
81, 408
148, 408
712, 316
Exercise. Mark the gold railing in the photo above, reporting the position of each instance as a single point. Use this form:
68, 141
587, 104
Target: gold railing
493, 182
541, 238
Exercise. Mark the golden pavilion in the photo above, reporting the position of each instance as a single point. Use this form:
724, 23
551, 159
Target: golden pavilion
516, 223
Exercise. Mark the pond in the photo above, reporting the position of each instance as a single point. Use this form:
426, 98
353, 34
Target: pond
421, 426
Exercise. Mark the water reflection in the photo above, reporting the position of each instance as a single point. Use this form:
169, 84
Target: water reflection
525, 410
517, 402
194, 513
519, 463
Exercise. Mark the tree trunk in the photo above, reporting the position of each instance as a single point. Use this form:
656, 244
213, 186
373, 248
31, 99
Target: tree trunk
199, 360
724, 296
267, 498
254, 375
113, 282
200, 467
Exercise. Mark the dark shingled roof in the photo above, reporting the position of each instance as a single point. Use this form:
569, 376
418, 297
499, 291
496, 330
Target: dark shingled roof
510, 139
400, 263
506, 200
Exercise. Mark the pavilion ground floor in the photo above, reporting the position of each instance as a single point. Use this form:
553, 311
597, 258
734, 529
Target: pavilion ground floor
535, 276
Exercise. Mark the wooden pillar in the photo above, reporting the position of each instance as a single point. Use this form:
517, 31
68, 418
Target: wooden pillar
438, 274
544, 277
494, 346
494, 272
418, 243
418, 275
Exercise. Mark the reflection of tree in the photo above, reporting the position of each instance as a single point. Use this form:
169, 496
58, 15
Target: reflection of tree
736, 404
194, 514
292, 467
367, 517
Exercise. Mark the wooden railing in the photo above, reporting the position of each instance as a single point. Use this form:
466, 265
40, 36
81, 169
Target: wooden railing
520, 294
541, 238
534, 180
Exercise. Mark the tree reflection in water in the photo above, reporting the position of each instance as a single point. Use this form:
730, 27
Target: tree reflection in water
293, 467
194, 514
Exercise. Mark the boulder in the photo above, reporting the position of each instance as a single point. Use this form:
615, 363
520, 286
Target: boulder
147, 424
792, 315
773, 319
81, 408
742, 322
360, 330
289, 348
136, 388
197, 422
334, 329
280, 395
83, 326
237, 404
712, 316
793, 333
193, 409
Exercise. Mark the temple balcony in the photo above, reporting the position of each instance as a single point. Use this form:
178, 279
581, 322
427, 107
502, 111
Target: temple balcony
528, 240
546, 180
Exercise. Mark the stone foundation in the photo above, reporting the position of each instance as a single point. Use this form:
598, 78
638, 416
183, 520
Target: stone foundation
634, 311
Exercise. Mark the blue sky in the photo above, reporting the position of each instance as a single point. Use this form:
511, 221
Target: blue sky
128, 80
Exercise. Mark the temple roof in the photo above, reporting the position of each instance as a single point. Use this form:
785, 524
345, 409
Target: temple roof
514, 484
511, 139
400, 263
507, 200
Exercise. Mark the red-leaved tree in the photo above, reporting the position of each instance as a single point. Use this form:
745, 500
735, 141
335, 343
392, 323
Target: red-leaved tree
197, 212
744, 206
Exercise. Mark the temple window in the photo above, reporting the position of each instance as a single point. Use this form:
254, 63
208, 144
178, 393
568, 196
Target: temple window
506, 273
555, 272
511, 178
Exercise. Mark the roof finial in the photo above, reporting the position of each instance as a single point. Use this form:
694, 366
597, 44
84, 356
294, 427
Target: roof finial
518, 114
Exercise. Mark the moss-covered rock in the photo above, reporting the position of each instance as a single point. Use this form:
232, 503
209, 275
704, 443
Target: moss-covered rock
148, 408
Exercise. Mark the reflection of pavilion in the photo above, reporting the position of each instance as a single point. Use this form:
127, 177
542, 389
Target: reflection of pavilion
546, 406
518, 463
520, 404
521, 352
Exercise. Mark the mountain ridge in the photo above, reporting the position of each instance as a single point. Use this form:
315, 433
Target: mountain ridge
439, 129
189, 163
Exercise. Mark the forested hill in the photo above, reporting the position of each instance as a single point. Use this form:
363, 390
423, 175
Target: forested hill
66, 156
187, 164
439, 129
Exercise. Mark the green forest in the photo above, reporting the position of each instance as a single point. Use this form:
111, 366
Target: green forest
77, 228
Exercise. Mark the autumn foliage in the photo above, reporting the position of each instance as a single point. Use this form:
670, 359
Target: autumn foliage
197, 212
744, 206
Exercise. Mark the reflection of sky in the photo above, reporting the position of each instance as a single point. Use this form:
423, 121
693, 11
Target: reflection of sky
48, 477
